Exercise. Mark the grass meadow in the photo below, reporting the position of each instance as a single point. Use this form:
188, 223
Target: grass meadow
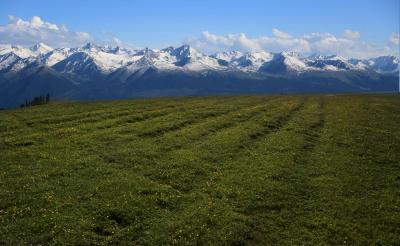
234, 170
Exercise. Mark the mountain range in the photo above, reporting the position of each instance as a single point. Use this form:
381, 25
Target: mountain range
93, 72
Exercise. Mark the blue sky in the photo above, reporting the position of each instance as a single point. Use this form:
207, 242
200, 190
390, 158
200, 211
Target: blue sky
160, 23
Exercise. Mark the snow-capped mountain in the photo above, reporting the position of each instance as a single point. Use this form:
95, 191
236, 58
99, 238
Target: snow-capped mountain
7, 60
286, 62
16, 49
228, 56
251, 61
52, 57
24, 52
79, 63
40, 48
107, 59
384, 64
120, 72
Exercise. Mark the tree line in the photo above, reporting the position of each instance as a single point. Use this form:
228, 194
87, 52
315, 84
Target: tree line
39, 100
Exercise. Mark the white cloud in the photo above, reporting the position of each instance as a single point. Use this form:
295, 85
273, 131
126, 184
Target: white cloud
210, 43
279, 34
349, 45
109, 38
35, 30
349, 34
230, 41
394, 39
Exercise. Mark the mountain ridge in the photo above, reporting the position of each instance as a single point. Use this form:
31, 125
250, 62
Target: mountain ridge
97, 72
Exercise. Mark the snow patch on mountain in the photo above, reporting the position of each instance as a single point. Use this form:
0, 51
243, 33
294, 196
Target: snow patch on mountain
384, 64
228, 56
8, 60
40, 48
54, 56
16, 49
252, 61
94, 59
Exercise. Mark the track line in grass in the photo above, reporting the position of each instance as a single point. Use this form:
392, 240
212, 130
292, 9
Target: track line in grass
136, 106
260, 169
220, 123
173, 142
201, 130
163, 111
100, 114
348, 172
40, 113
202, 173
271, 139
318, 197
133, 127
208, 155
198, 119
55, 117
309, 175
164, 153
212, 125
87, 117
312, 134
281, 121
196, 133
60, 123
60, 129
63, 130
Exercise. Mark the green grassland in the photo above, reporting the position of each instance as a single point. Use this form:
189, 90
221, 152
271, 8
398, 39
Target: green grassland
250, 170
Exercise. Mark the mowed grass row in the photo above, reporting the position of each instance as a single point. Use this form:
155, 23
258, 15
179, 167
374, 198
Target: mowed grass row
13, 126
218, 170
